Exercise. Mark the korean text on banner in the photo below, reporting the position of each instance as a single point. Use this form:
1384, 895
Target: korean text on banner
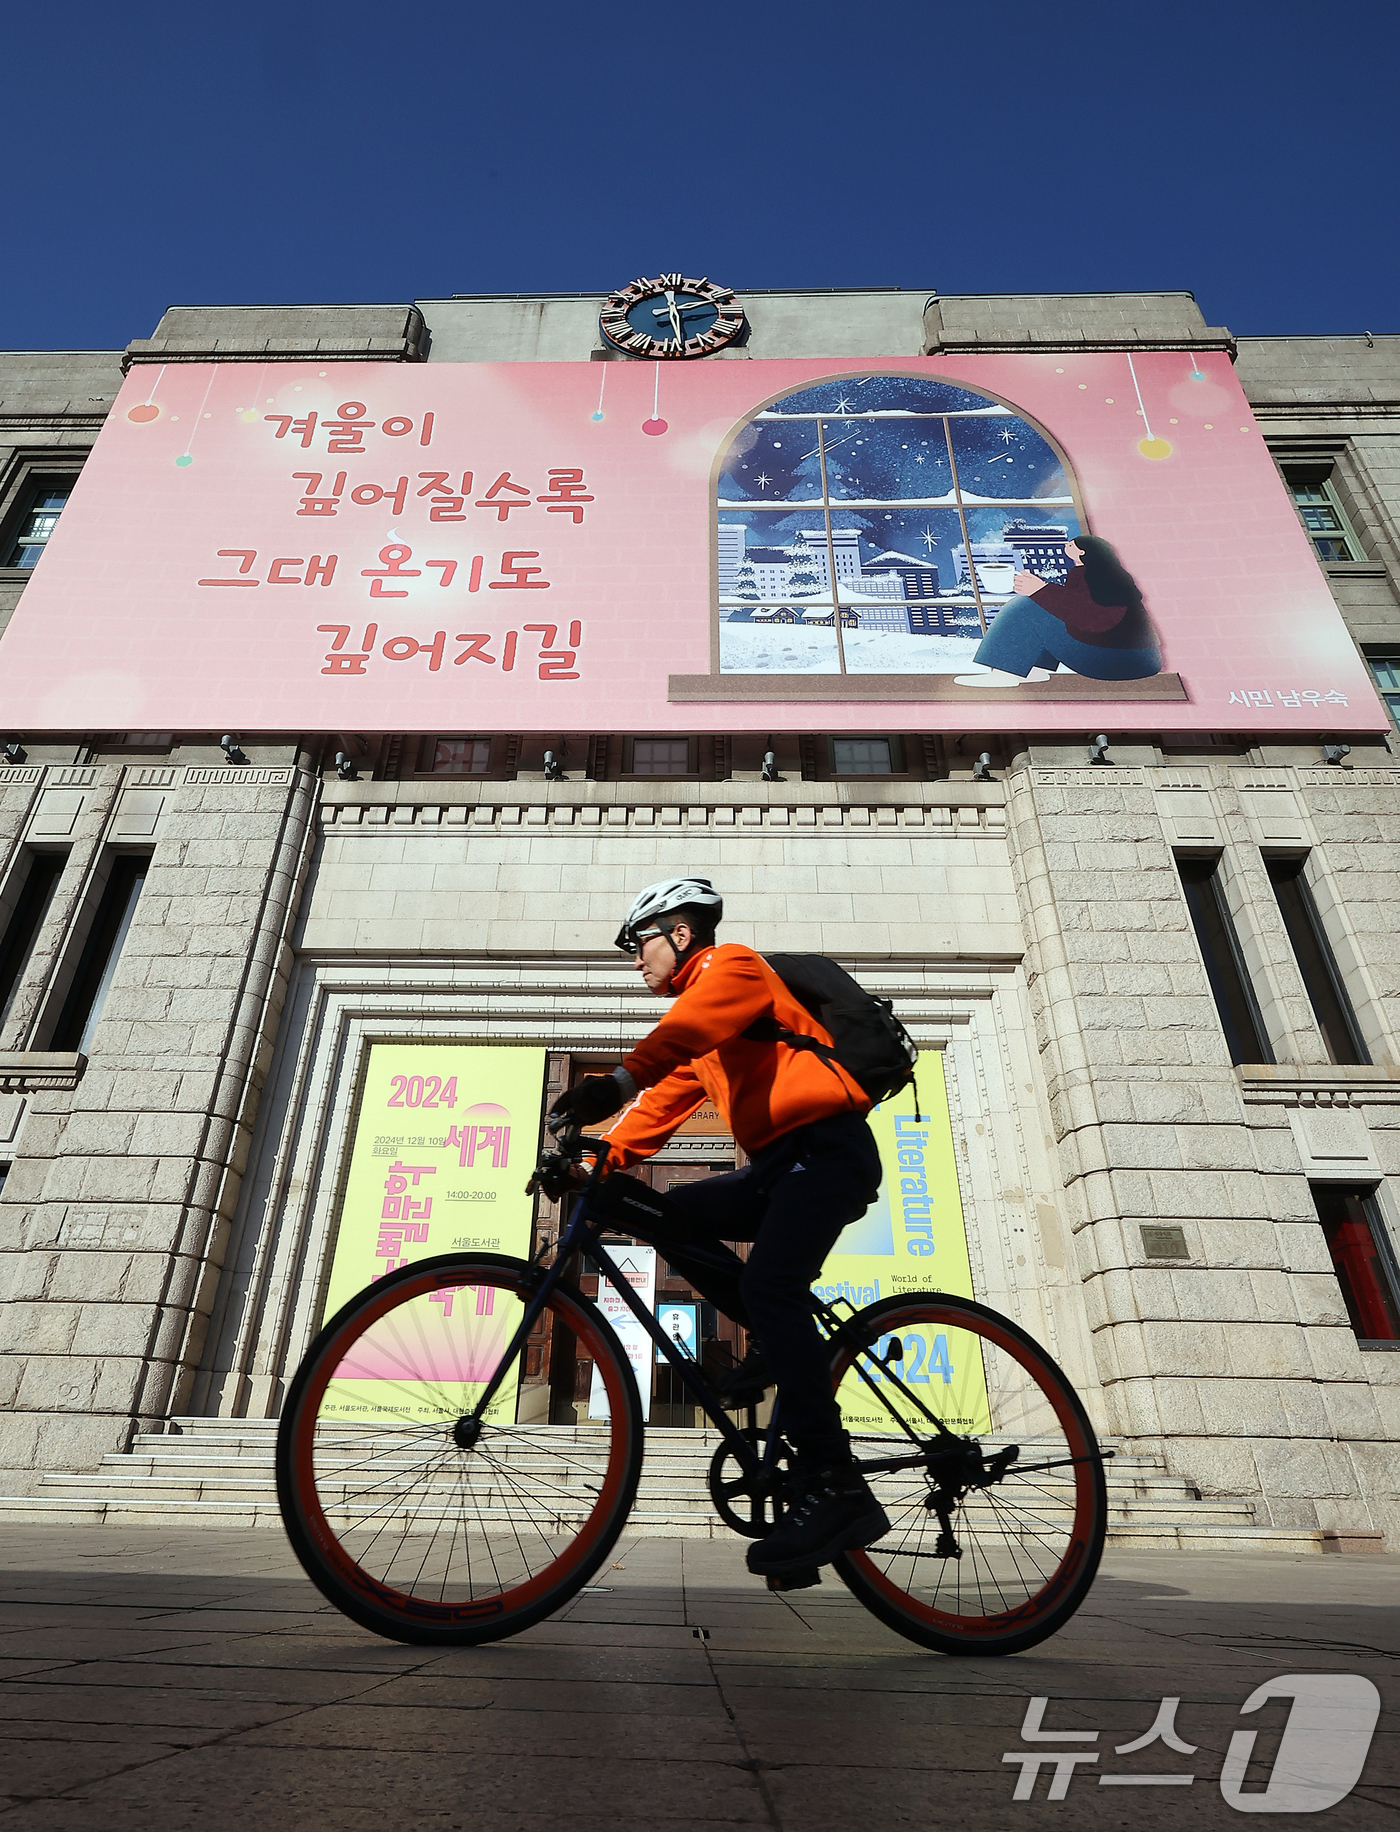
437, 1165
912, 1238
638, 1266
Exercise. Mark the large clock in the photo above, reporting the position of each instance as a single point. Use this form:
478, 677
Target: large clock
671, 316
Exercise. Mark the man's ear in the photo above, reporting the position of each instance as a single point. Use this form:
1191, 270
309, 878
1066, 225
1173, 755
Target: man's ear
681, 937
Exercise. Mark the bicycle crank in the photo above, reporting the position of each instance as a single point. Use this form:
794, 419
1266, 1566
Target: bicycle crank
763, 1494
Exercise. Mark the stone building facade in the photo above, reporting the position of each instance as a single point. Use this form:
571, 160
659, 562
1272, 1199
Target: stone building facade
1144, 1203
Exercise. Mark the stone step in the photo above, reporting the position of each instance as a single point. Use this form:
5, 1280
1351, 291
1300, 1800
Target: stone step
1157, 1495
1194, 1535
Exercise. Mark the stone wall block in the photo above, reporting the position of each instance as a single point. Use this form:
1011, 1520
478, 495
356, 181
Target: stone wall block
1122, 1301
25, 1275
1155, 1293
1278, 1350
19, 1444
1138, 1400
1218, 1467
1162, 1103
1273, 1297
1320, 1304
1243, 1408
1334, 1354
1352, 1411
84, 1277
1301, 1470
40, 1328
1192, 1350
167, 1135
1179, 1408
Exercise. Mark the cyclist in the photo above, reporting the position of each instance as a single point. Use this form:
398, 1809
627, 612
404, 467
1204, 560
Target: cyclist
813, 1168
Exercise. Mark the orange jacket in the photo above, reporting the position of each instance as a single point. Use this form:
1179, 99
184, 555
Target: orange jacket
763, 1089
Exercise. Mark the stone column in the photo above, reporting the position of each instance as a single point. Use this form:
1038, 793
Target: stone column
114, 1220
1220, 1361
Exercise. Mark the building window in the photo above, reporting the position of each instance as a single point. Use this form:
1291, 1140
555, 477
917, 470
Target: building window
875, 525
37, 523
456, 757
1335, 1017
26, 921
661, 757
1224, 963
1323, 516
1385, 665
865, 756
98, 963
1362, 1259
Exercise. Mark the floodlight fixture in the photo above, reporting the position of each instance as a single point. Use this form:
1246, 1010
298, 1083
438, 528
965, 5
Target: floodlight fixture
345, 767
231, 749
1098, 750
1334, 753
982, 769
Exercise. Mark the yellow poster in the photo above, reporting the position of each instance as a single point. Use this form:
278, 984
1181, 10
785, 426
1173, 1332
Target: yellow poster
444, 1144
912, 1238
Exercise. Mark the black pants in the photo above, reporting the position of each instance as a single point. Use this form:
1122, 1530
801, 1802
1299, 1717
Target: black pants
791, 1200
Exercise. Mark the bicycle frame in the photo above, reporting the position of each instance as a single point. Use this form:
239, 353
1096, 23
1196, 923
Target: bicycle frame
584, 1235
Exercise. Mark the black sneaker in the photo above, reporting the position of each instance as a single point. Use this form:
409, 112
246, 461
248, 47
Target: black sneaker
831, 1510
745, 1383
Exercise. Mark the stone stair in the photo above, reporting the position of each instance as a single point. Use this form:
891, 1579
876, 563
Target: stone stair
219, 1472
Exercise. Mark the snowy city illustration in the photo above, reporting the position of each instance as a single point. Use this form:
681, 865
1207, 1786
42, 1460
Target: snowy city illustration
905, 506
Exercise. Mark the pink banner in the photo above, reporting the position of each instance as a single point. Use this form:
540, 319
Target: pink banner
1053, 542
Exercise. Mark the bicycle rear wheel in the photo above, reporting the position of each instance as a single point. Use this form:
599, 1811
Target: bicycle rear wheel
414, 1521
996, 1532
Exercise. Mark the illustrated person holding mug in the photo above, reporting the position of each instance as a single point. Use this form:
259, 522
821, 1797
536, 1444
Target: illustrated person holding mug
1095, 624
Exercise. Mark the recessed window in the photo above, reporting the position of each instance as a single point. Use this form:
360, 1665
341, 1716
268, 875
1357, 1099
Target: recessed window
863, 757
1224, 963
26, 920
661, 757
457, 756
98, 964
1362, 1260
1335, 1017
36, 524
1385, 665
1323, 516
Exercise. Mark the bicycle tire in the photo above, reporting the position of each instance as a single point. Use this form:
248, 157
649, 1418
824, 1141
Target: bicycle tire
409, 1532
1031, 1540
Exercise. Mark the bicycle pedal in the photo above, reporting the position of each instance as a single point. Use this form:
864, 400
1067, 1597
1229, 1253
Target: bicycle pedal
795, 1580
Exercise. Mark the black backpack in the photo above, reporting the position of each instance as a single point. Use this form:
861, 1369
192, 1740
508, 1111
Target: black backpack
868, 1041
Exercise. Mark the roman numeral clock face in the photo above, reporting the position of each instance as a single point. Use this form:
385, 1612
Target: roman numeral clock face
671, 316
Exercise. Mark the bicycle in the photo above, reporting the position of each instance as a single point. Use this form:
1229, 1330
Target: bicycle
429, 1496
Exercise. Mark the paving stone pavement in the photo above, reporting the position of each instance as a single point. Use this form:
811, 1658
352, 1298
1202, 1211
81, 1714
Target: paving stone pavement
184, 1679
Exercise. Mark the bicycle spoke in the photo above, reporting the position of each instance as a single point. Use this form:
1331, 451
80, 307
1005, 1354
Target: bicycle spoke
426, 1535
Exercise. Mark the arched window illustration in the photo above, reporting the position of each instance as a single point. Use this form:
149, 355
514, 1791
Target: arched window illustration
874, 524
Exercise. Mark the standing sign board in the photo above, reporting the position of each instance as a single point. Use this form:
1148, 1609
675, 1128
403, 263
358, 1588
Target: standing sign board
441, 1151
681, 1324
912, 1238
638, 1266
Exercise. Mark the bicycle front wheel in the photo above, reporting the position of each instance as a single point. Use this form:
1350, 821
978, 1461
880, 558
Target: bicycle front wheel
420, 1522
997, 1528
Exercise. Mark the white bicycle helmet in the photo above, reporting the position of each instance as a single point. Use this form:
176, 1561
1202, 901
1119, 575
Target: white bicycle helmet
659, 900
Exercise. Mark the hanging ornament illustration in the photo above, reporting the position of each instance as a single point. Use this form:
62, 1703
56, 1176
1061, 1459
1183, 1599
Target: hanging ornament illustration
249, 414
147, 410
1150, 447
655, 425
597, 413
185, 459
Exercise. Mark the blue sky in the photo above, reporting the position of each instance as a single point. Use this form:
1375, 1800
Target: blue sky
349, 152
